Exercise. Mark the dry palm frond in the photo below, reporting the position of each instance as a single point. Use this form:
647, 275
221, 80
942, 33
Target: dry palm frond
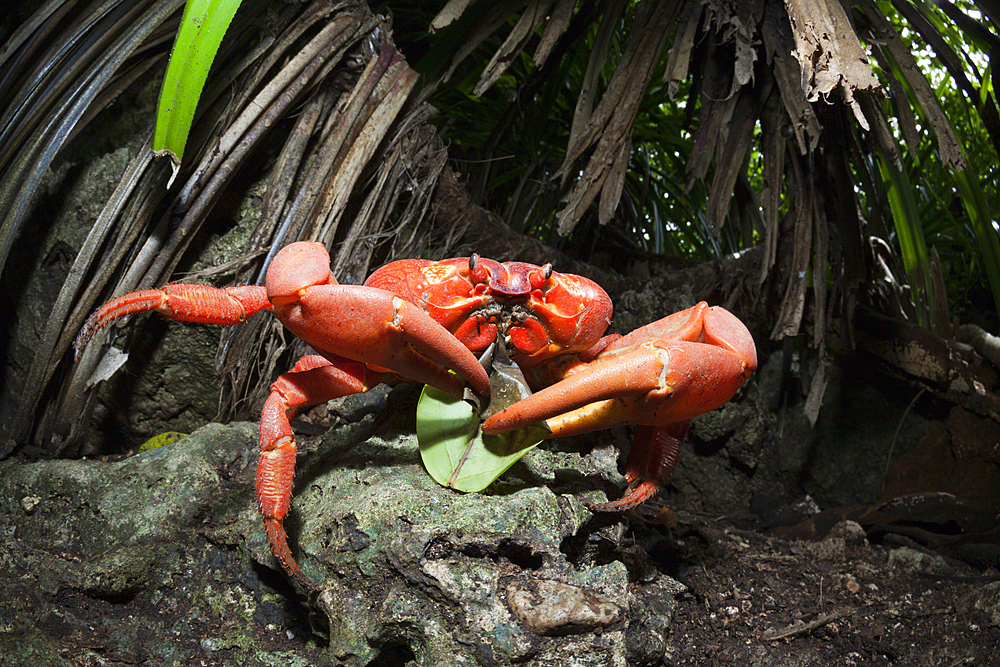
793, 303
829, 53
787, 74
584, 107
449, 13
985, 100
53, 82
556, 25
497, 15
680, 53
307, 71
610, 125
917, 82
531, 17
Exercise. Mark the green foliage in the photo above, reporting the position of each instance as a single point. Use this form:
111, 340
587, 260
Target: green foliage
910, 233
984, 230
955, 207
454, 450
204, 25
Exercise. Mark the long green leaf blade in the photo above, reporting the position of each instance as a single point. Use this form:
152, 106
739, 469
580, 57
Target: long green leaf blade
910, 232
982, 224
204, 25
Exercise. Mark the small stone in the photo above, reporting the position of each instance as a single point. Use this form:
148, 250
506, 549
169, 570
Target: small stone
29, 503
985, 599
548, 607
851, 532
913, 560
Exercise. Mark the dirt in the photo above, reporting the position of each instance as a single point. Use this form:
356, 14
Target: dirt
756, 599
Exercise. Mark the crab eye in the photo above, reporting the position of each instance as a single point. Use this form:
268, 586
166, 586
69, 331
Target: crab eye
479, 272
540, 276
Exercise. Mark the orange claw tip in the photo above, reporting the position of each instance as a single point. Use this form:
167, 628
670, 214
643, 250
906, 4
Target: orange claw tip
279, 545
637, 496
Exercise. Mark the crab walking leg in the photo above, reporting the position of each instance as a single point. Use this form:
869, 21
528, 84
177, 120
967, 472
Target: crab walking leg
651, 462
314, 379
183, 302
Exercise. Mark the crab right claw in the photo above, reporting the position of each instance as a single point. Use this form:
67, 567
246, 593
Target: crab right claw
659, 377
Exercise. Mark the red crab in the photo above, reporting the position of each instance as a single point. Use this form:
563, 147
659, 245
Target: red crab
413, 319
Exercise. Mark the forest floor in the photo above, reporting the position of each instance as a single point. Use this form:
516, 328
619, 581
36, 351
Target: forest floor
751, 599
82, 584
756, 599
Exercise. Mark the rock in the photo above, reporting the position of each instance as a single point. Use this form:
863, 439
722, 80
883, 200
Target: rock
549, 607
915, 560
408, 567
960, 456
842, 542
985, 599
163, 555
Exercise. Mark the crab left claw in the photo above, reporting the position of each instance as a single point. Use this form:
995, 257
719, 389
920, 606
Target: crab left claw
364, 335
657, 377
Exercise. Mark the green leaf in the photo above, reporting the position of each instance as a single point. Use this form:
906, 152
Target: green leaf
166, 438
454, 450
982, 225
909, 231
204, 25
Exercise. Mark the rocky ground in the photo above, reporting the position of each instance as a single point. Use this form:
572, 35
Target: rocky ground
160, 559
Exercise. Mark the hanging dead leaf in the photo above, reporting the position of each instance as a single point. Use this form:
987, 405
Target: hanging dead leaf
531, 18
830, 54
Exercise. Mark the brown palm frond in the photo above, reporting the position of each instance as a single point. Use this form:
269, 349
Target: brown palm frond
716, 126
328, 68
53, 82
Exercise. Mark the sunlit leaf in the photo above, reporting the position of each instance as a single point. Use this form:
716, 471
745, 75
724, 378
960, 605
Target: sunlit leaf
166, 438
909, 231
989, 246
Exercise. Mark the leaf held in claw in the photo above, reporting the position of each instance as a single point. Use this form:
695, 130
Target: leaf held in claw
454, 450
